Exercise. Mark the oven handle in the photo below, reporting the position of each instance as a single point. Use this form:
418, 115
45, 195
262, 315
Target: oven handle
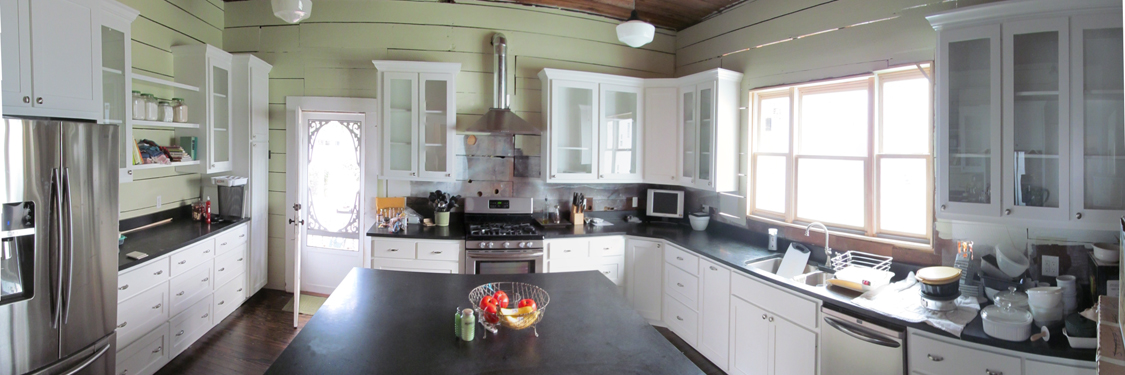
505, 256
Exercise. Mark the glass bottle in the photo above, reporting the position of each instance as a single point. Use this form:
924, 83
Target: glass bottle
138, 105
467, 321
165, 111
152, 110
180, 110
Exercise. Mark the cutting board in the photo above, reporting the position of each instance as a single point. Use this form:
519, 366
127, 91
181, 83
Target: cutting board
793, 264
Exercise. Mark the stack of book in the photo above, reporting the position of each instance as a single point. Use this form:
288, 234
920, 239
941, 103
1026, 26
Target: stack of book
176, 153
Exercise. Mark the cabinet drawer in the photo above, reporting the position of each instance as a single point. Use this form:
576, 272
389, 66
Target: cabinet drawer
230, 239
393, 249
146, 355
682, 286
612, 270
439, 250
138, 280
189, 326
228, 297
935, 357
189, 288
568, 249
141, 314
230, 266
681, 320
680, 258
413, 265
571, 265
191, 256
607, 246
796, 309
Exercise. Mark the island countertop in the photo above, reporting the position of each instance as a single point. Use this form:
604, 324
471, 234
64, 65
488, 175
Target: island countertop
391, 322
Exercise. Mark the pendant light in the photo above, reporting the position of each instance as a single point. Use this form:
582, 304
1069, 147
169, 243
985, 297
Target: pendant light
292, 11
634, 32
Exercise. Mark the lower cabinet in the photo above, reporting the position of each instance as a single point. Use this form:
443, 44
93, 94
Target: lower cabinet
190, 325
146, 355
714, 326
416, 255
644, 265
929, 354
602, 254
763, 343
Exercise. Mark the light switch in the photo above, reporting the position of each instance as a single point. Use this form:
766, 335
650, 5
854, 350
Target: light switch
1050, 265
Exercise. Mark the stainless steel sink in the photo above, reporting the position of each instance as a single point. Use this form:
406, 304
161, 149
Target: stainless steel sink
818, 278
771, 265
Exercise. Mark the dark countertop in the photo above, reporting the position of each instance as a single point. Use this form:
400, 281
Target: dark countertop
733, 247
166, 238
587, 329
455, 231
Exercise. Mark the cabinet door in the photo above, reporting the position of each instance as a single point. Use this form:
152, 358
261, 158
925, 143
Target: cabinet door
219, 131
259, 211
644, 265
438, 121
705, 158
1036, 104
750, 339
1032, 367
259, 104
794, 348
620, 134
116, 96
662, 140
1098, 125
574, 112
969, 123
714, 339
688, 134
65, 40
400, 119
15, 49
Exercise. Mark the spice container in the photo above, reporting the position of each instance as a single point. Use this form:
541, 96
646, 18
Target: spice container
138, 106
468, 331
152, 110
179, 110
165, 111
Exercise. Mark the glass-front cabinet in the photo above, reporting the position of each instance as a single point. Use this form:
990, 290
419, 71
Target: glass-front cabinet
1097, 171
705, 161
219, 138
573, 134
620, 135
419, 117
689, 131
203, 81
1029, 114
116, 83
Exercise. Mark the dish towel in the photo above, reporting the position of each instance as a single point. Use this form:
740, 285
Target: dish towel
901, 300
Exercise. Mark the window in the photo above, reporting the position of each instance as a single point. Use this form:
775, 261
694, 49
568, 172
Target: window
853, 153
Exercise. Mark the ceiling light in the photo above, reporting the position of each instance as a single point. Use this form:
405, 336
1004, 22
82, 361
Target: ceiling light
635, 32
292, 11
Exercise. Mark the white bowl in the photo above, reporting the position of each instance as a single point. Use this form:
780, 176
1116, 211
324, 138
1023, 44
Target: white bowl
1105, 252
1047, 316
1011, 324
1045, 296
1081, 342
699, 223
1010, 261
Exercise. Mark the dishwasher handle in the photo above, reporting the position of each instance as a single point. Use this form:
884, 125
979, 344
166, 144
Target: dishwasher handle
843, 327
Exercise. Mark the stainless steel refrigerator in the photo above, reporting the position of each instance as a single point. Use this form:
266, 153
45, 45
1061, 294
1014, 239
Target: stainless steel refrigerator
58, 306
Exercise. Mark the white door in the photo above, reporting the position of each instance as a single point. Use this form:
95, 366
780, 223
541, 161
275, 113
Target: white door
620, 133
259, 204
330, 175
661, 138
16, 51
437, 123
1097, 168
688, 134
645, 261
400, 123
794, 348
574, 122
705, 123
67, 66
750, 349
714, 337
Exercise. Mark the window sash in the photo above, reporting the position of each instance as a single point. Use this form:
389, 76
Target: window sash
866, 191
929, 160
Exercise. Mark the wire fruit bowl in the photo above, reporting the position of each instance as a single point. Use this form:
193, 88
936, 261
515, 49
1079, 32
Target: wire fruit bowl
516, 291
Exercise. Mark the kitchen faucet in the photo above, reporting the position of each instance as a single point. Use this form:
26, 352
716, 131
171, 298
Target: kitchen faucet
827, 249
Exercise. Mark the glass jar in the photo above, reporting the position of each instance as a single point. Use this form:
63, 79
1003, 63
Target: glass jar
138, 106
179, 110
152, 108
165, 111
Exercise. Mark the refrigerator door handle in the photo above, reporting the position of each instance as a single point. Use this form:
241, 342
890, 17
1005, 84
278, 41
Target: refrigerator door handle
90, 360
69, 242
56, 206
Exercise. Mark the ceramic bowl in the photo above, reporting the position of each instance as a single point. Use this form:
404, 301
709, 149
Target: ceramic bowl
1007, 323
1106, 252
1045, 296
1010, 261
699, 222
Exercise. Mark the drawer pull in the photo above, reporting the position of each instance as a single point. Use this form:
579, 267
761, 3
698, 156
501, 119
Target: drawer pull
606, 249
157, 306
239, 289
182, 261
204, 316
605, 272
206, 251
240, 259
566, 251
181, 293
679, 258
242, 235
679, 318
680, 285
180, 333
435, 252
157, 350
935, 358
222, 302
223, 244
123, 287
392, 250
122, 325
158, 273
713, 268
205, 279
990, 372
222, 269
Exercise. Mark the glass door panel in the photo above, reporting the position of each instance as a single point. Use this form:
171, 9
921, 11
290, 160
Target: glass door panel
620, 133
437, 120
400, 141
1098, 106
573, 118
220, 120
116, 96
687, 104
706, 134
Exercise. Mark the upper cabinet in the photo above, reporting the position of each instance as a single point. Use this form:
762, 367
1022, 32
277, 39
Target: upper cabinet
708, 130
594, 129
206, 69
661, 132
419, 118
51, 51
1029, 113
116, 70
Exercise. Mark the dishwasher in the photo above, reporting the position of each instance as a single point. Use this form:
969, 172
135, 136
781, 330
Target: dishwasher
853, 346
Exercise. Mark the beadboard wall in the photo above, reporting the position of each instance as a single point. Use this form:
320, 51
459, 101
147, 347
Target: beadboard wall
330, 54
161, 25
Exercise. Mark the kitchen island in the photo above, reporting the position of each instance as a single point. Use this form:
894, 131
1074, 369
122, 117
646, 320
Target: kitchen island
390, 322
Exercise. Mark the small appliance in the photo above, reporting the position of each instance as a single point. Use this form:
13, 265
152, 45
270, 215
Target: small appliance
665, 203
502, 237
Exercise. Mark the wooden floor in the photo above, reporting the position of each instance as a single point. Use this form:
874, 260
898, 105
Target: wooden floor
252, 337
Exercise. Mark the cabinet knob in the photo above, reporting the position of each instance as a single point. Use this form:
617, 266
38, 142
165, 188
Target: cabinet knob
943, 207
1007, 211
935, 358
435, 252
240, 259
657, 246
771, 319
709, 184
552, 176
448, 175
1078, 216
38, 100
27, 99
392, 250
763, 316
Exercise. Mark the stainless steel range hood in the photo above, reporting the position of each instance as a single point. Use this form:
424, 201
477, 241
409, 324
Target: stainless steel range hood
500, 118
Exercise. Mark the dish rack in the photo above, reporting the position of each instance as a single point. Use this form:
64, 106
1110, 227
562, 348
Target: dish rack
861, 259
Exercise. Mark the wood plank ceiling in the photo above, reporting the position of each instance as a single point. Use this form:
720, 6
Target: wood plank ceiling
670, 14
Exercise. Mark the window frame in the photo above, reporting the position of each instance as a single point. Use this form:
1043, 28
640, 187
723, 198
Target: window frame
873, 82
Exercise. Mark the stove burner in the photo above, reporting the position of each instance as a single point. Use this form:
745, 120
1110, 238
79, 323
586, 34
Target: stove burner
503, 229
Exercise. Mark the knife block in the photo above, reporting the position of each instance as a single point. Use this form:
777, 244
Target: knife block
578, 218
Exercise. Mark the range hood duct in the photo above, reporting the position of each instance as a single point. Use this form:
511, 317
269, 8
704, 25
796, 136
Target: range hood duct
500, 118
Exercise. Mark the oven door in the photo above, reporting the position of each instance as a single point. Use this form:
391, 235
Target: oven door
494, 262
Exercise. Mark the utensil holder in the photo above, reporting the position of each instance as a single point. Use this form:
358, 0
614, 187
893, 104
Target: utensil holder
578, 218
441, 219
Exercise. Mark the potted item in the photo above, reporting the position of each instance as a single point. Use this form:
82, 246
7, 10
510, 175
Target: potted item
699, 220
442, 204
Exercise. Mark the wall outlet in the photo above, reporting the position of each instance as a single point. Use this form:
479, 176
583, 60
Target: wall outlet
158, 202
1050, 265
635, 203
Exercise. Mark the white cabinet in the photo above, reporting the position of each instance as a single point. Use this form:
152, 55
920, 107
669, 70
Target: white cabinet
419, 119
714, 296
931, 354
661, 133
763, 343
1033, 367
207, 68
250, 130
430, 256
644, 265
116, 69
52, 56
708, 129
603, 254
1029, 131
595, 127
146, 355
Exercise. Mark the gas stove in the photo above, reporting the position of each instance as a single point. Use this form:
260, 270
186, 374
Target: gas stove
501, 223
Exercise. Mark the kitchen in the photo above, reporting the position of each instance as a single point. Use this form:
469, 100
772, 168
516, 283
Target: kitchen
715, 120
